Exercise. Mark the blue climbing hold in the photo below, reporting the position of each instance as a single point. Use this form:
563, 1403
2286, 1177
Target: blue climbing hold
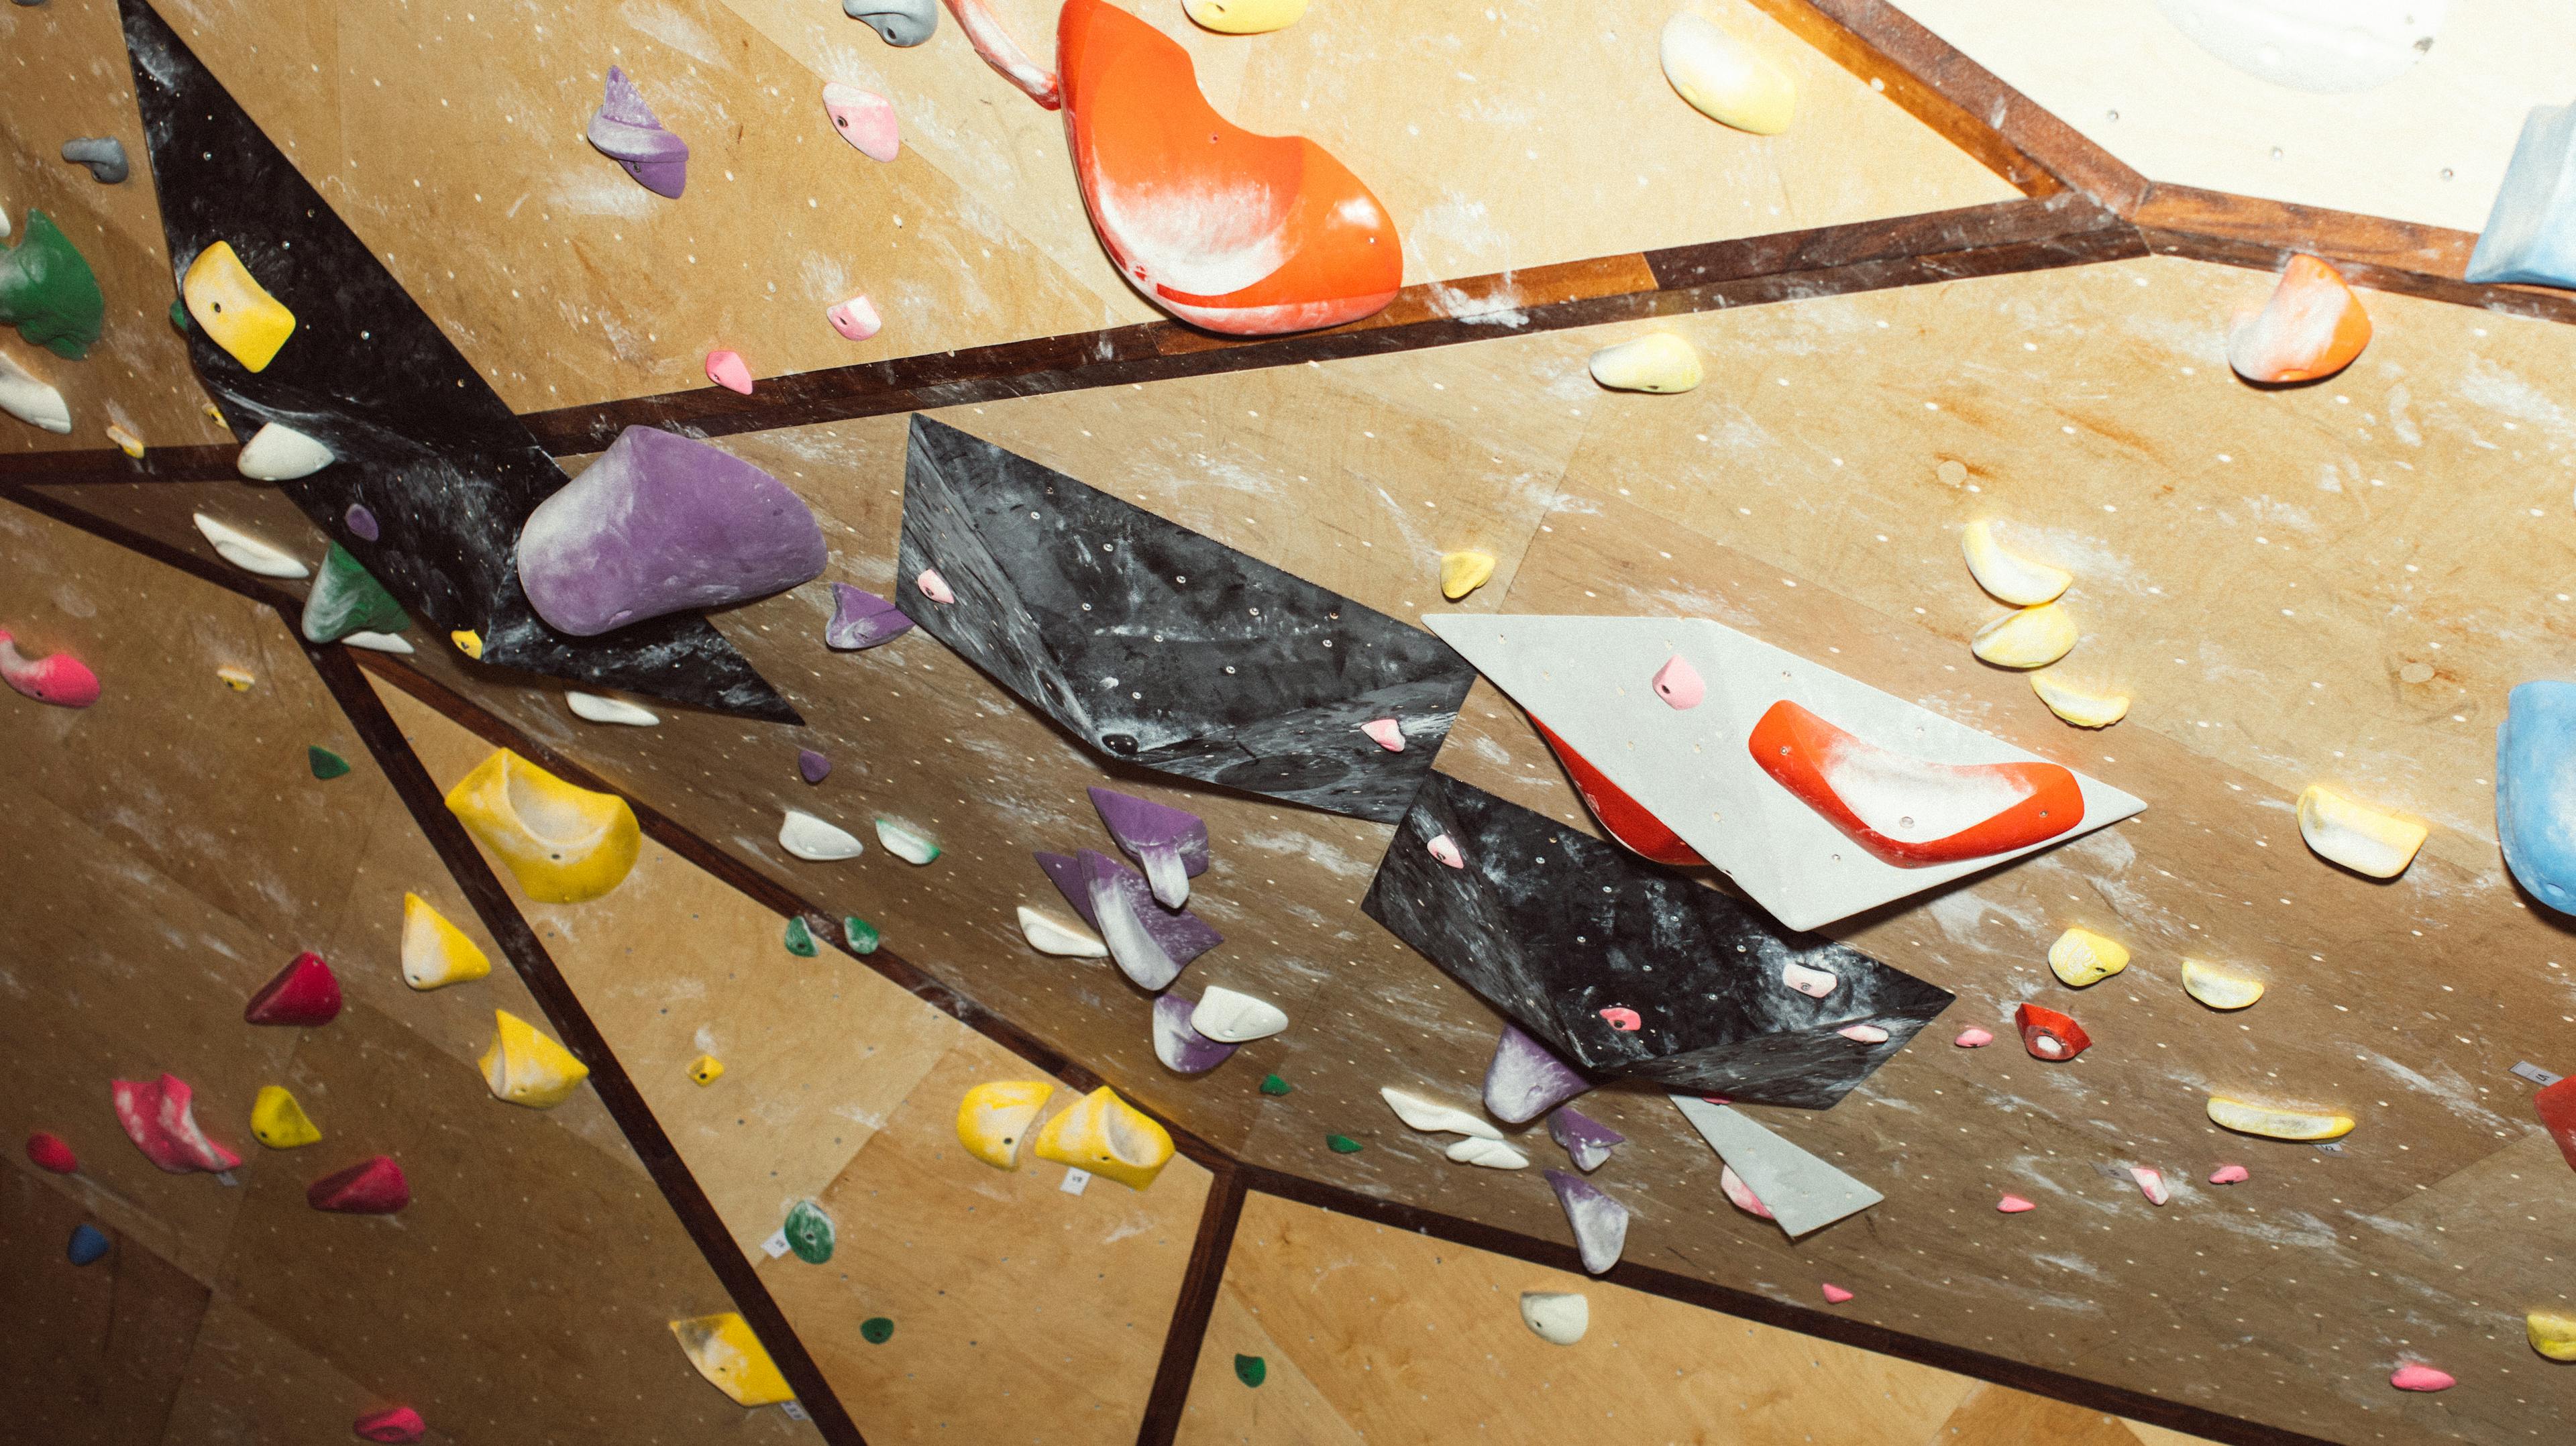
2531, 230
2536, 790
88, 1244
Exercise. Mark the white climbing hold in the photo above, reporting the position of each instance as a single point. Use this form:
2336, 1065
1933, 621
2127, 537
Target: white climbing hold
1445, 851
609, 710
279, 453
2219, 988
2364, 839
1725, 79
1229, 1017
808, 837
1492, 1154
1433, 1117
2078, 706
29, 398
1050, 935
2333, 47
1863, 1033
2151, 1183
2008, 575
906, 842
377, 642
1557, 1317
1813, 983
247, 552
2031, 638
1386, 733
1661, 363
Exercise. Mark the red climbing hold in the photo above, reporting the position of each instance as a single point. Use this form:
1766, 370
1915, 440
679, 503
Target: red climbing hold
304, 992
2557, 1107
2048, 1034
401, 1423
370, 1187
1874, 794
1623, 817
49, 1151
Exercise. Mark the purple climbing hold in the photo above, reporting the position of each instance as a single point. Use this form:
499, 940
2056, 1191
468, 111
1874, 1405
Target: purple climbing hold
1171, 844
626, 132
812, 765
361, 521
1526, 1079
1182, 1049
1169, 939
1600, 1223
1587, 1141
661, 524
861, 619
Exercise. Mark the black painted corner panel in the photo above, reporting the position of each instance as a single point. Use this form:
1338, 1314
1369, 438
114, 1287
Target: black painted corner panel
1552, 926
423, 444
1163, 647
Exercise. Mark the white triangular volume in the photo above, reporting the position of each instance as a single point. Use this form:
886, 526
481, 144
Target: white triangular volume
1231, 1018
30, 398
376, 642
1802, 1193
279, 453
1492, 1154
597, 709
1591, 680
1433, 1117
247, 552
809, 837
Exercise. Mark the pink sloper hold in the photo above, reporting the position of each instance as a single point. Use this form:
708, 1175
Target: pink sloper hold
49, 1152
305, 992
728, 370
160, 1118
1835, 1294
59, 679
1386, 733
855, 318
370, 1187
1863, 1033
1446, 851
2014, 1205
1679, 684
984, 31
933, 586
1973, 1038
2230, 1175
864, 118
1739, 1194
400, 1423
2416, 1376
2151, 1183
1623, 1019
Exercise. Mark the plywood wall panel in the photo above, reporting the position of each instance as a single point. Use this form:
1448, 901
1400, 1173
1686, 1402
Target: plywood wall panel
93, 1353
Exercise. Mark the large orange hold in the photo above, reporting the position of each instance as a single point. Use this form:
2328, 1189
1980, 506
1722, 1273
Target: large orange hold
1228, 230
1909, 810
1620, 814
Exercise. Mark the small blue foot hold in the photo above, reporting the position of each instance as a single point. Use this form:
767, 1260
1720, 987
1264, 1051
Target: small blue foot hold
2528, 236
88, 1243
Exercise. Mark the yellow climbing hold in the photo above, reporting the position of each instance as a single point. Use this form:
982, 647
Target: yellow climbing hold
278, 1122
732, 1359
216, 415
706, 1069
2082, 957
1725, 79
126, 442
1659, 362
2277, 1124
995, 1116
2552, 1334
1244, 17
237, 679
468, 642
2008, 575
2219, 988
435, 953
2364, 839
565, 845
2031, 638
1463, 572
1107, 1136
526, 1068
237, 312
2076, 706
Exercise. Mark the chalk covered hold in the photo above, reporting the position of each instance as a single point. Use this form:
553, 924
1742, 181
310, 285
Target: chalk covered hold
2365, 839
861, 619
58, 679
2536, 790
1179, 1044
1169, 844
1600, 1223
435, 953
564, 845
2313, 326
625, 130
995, 1117
1109, 1137
1725, 79
525, 1067
732, 1359
160, 1117
1525, 1079
2530, 234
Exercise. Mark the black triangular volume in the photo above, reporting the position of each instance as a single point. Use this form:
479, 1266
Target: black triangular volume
1552, 926
1165, 648
430, 452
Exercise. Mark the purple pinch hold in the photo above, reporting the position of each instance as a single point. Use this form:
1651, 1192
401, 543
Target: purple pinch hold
361, 521
1526, 1079
1184, 1050
1140, 955
1181, 936
626, 131
1171, 844
1600, 1223
812, 766
1587, 1141
861, 619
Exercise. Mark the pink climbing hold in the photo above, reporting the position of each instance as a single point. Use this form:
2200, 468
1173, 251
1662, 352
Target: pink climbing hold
401, 1423
1739, 1194
1973, 1038
1446, 851
1623, 1020
726, 369
1835, 1294
59, 679
1678, 683
2151, 1183
2014, 1205
370, 1187
51, 1152
2415, 1376
1863, 1033
304, 992
2229, 1175
855, 318
933, 586
864, 118
160, 1117
1386, 732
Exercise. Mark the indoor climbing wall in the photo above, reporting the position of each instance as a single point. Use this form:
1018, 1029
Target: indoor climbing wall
1758, 720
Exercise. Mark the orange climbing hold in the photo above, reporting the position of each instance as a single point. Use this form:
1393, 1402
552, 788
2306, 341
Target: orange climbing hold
1240, 233
1909, 810
2313, 326
1622, 816
2050, 1035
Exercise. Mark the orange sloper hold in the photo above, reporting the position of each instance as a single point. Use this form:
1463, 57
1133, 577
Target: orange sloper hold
1620, 814
1239, 233
1908, 810
2313, 326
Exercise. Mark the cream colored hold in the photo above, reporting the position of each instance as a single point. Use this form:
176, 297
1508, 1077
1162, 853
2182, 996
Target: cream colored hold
2076, 705
435, 953
1433, 1117
2006, 574
1492, 1154
811, 839
1050, 935
593, 708
1557, 1317
1244, 17
1660, 362
249, 553
2032, 638
2364, 839
279, 453
994, 1118
1463, 572
2275, 1123
2081, 957
1725, 79
30, 399
1230, 1017
2219, 988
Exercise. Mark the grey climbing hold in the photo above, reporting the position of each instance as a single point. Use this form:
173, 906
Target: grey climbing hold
897, 22
104, 155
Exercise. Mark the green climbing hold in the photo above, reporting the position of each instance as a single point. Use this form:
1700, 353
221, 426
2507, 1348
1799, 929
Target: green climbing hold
1342, 1144
179, 315
346, 598
48, 292
862, 938
1252, 1370
809, 1234
326, 764
1273, 1086
876, 1330
800, 940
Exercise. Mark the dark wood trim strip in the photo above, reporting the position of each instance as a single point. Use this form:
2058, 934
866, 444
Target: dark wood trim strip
1187, 1335
107, 464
